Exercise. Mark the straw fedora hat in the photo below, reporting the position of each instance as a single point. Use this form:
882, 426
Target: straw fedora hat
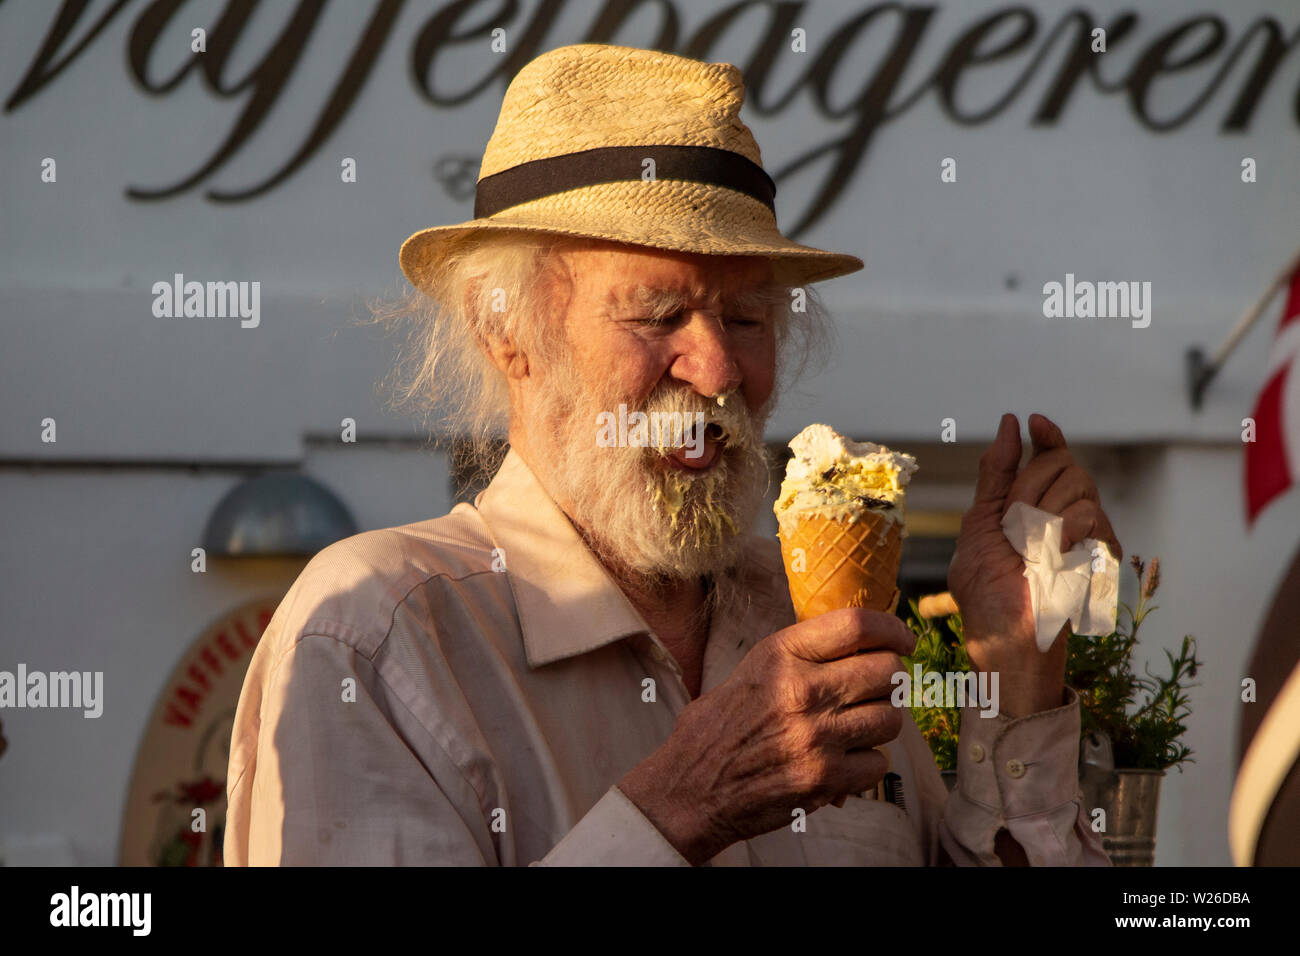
633, 146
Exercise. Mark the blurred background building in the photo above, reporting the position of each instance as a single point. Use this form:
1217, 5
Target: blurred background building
233, 165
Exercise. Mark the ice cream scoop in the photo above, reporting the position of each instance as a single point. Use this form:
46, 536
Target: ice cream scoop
835, 477
841, 513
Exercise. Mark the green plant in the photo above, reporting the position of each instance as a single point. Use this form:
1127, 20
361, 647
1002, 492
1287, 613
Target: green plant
1143, 714
942, 653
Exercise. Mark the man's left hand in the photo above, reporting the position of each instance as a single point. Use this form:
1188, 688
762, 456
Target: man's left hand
986, 576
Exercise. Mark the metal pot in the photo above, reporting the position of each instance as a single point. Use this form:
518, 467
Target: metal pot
1129, 798
1130, 836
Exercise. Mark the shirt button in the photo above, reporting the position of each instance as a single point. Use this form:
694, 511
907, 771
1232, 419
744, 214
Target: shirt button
1015, 768
976, 752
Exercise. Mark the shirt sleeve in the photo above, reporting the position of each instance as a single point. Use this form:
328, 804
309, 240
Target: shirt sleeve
614, 833
332, 778
340, 773
1021, 774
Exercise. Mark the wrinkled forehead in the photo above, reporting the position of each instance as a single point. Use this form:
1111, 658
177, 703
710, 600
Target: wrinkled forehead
615, 273
754, 297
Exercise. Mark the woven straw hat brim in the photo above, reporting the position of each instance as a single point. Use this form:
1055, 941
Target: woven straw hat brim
734, 225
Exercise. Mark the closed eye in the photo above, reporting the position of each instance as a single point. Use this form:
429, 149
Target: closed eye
744, 322
656, 321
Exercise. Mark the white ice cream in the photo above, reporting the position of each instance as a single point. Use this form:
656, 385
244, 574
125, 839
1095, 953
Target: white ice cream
835, 477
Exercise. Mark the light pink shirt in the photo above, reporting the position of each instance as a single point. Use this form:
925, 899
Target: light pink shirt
468, 690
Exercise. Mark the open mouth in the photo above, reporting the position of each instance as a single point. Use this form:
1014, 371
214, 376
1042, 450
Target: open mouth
700, 453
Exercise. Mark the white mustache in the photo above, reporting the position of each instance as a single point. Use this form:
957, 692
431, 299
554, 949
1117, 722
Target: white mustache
728, 422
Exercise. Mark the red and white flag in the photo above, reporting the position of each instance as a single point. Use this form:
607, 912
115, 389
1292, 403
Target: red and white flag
1273, 458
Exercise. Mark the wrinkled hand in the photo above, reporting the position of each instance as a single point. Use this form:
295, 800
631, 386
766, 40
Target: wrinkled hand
986, 576
793, 727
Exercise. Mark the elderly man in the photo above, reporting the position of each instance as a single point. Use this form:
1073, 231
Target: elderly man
595, 663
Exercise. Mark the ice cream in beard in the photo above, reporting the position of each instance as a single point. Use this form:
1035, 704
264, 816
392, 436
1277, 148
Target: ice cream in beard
841, 513
693, 463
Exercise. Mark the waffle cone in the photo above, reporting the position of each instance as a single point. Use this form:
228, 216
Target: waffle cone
837, 563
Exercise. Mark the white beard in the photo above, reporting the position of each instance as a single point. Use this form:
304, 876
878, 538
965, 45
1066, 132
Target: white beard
640, 513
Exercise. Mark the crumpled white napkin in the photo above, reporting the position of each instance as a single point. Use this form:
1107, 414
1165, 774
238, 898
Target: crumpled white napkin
1080, 586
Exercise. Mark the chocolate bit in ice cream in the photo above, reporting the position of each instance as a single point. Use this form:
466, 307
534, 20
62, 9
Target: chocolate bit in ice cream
875, 502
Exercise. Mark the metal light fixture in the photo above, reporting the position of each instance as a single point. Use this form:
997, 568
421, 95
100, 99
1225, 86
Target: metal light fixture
277, 514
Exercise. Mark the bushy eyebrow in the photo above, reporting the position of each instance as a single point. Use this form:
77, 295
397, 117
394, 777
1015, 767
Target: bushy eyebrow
660, 303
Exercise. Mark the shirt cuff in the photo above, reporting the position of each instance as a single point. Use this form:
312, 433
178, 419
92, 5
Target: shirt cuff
614, 833
1020, 765
1020, 774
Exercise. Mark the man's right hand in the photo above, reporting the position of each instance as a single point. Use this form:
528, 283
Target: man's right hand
792, 727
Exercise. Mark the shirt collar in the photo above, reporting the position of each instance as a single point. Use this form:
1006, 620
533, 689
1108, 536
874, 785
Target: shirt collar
567, 602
